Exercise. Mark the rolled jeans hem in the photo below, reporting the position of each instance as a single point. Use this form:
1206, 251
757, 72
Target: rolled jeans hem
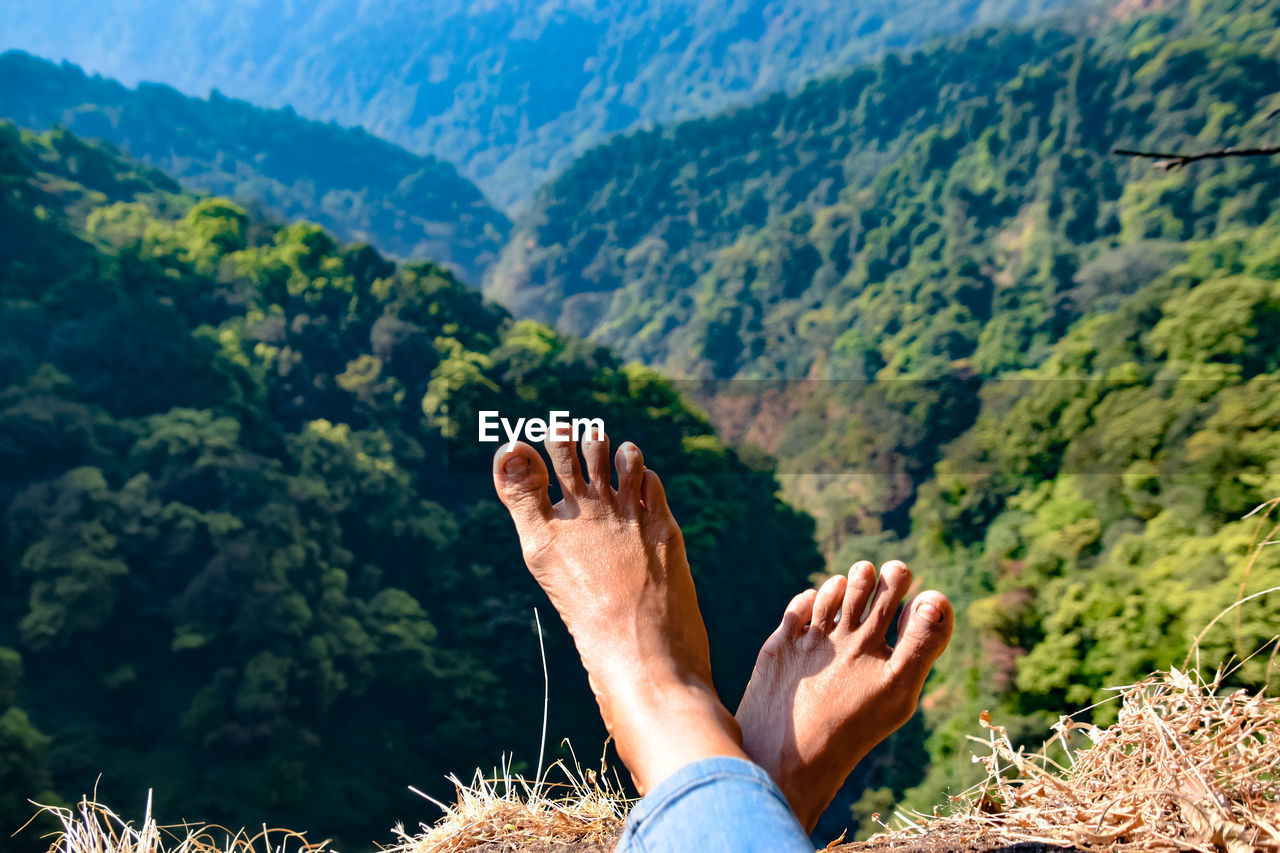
716, 805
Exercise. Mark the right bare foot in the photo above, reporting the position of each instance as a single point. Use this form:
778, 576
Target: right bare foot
827, 687
613, 564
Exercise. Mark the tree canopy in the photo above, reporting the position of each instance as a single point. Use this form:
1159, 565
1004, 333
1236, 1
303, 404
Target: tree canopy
249, 539
971, 335
360, 187
252, 556
509, 91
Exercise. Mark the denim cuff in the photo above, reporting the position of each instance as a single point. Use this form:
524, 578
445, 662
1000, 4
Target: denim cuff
715, 804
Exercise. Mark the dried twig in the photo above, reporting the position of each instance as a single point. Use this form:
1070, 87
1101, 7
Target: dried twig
1174, 160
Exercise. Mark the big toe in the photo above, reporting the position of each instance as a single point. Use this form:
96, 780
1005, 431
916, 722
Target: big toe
797, 615
923, 633
520, 478
657, 515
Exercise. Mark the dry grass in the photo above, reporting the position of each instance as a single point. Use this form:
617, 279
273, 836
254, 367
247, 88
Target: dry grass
93, 828
511, 810
1185, 767
508, 809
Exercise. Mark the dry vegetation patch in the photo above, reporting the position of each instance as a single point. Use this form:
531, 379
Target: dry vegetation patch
509, 812
1186, 766
93, 828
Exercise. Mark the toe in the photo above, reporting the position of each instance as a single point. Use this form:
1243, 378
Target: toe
657, 515
895, 579
521, 480
596, 453
564, 459
798, 614
862, 582
629, 462
923, 633
827, 606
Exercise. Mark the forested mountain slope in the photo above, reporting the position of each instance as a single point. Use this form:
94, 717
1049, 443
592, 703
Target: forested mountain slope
511, 91
249, 547
863, 271
1095, 518
1045, 375
361, 187
972, 177
934, 219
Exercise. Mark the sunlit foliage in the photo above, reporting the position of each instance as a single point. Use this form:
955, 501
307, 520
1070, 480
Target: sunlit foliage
251, 554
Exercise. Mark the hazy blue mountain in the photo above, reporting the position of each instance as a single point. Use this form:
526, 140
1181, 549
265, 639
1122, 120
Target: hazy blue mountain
363, 188
511, 91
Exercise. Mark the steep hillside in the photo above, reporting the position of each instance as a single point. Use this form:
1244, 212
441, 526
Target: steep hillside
510, 91
361, 187
250, 553
1101, 511
934, 219
971, 336
855, 276
970, 178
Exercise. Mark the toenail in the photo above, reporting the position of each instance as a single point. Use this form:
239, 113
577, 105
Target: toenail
515, 464
930, 612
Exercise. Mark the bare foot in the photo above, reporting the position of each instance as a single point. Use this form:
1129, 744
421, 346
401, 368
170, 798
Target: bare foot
827, 687
613, 564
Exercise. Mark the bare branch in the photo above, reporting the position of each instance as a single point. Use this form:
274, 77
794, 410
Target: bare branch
1173, 160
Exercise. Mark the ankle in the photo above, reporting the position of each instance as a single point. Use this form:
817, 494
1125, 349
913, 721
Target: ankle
649, 682
661, 727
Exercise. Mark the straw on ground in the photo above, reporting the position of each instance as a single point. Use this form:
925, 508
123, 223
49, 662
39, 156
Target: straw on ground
1186, 766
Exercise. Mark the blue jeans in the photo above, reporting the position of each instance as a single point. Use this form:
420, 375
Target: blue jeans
717, 805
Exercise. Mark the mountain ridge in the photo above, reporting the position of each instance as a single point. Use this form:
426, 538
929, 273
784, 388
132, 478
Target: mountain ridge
364, 188
511, 91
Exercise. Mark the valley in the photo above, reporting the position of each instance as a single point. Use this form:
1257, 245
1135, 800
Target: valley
511, 92
915, 309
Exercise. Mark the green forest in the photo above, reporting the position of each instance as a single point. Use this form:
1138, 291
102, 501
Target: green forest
917, 310
974, 337
360, 187
936, 207
510, 91
250, 559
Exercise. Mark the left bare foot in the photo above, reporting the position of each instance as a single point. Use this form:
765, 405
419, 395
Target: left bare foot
612, 562
827, 686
